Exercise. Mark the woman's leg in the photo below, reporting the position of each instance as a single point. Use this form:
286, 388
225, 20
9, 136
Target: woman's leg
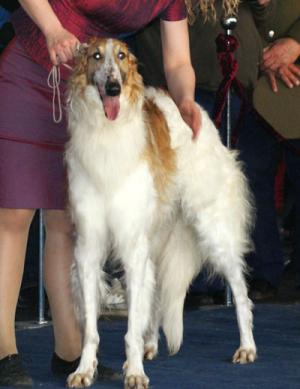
58, 260
14, 227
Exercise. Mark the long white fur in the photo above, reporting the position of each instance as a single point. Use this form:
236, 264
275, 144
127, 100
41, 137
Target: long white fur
163, 245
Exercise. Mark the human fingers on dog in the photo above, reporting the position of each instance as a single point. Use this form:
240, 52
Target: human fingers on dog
67, 53
61, 46
61, 55
191, 115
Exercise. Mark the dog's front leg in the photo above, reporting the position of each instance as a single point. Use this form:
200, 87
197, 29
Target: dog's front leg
140, 285
89, 256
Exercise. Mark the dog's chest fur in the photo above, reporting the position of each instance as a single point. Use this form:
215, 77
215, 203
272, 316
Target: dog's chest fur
123, 156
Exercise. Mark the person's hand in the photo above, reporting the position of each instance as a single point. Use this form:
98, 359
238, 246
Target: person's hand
272, 80
289, 74
61, 46
282, 52
191, 115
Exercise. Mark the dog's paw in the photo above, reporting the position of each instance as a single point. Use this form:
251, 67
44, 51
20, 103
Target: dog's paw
136, 382
244, 355
150, 352
81, 380
125, 367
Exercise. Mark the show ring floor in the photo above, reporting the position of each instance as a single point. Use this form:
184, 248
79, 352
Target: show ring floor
204, 361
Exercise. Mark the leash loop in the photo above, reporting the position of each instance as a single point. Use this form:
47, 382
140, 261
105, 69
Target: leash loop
53, 82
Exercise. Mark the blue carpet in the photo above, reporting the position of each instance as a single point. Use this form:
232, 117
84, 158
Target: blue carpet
210, 339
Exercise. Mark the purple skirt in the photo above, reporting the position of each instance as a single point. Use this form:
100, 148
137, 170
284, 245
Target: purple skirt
32, 171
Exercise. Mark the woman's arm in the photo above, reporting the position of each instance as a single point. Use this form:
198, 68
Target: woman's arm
179, 72
60, 42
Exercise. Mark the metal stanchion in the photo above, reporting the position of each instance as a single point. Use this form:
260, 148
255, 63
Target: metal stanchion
40, 321
228, 24
41, 300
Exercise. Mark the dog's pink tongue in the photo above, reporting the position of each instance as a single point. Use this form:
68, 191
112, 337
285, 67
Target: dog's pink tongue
111, 106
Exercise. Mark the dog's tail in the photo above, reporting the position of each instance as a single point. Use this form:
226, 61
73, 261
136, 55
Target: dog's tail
178, 265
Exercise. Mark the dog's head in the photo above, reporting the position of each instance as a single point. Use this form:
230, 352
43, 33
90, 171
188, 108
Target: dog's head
108, 66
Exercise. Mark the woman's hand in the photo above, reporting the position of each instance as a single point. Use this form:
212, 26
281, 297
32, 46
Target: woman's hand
284, 51
190, 113
61, 46
289, 74
279, 62
60, 42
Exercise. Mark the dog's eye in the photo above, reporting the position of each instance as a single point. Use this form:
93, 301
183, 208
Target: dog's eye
121, 55
97, 56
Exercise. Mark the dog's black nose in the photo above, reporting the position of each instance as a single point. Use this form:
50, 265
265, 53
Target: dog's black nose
112, 88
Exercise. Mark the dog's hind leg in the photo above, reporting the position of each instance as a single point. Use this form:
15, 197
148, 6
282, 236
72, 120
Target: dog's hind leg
90, 254
233, 273
215, 199
224, 257
247, 351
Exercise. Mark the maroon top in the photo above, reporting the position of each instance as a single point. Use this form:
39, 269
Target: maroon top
31, 156
87, 18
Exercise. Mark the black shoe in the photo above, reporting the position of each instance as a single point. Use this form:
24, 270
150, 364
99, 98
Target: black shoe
62, 368
12, 372
262, 290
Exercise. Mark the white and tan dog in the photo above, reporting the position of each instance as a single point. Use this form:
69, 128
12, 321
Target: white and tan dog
165, 203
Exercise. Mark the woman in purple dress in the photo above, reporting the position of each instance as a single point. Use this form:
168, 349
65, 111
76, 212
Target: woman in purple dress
31, 146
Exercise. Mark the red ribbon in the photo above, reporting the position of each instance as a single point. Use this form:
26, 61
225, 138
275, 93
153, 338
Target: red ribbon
226, 46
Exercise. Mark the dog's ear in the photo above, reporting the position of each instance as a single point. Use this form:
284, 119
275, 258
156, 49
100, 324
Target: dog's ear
81, 49
81, 58
132, 58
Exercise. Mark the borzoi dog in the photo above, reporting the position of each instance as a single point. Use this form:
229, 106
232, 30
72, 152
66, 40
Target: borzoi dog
167, 204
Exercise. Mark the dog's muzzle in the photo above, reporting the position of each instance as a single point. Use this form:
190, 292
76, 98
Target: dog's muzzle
112, 88
110, 96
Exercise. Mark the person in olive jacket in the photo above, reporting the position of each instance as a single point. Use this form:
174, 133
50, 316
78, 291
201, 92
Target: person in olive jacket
277, 97
254, 143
